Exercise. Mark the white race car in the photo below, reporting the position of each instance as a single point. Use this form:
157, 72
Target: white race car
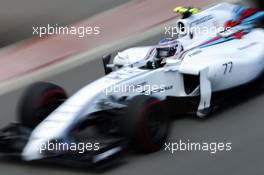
130, 105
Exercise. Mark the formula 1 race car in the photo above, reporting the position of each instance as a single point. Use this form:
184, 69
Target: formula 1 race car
131, 105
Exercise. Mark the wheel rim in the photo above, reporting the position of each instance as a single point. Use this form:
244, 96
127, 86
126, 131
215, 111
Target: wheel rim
156, 123
49, 102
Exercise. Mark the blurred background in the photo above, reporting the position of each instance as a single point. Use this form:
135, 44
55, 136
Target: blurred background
242, 124
18, 16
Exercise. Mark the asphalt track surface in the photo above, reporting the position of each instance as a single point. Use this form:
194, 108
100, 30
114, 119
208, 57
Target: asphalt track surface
240, 124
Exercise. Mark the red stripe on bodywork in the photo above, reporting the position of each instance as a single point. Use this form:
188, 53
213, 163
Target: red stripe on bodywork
150, 53
248, 13
207, 42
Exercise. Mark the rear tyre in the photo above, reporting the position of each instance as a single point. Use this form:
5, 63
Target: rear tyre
38, 101
146, 123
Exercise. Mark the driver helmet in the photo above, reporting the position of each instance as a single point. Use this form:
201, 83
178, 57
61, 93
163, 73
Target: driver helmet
168, 47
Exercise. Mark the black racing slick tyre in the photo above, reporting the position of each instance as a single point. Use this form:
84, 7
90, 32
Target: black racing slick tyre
146, 123
38, 101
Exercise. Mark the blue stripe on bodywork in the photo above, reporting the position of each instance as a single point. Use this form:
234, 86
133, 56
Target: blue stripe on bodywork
238, 13
254, 18
222, 40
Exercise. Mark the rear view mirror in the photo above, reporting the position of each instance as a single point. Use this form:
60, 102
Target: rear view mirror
106, 61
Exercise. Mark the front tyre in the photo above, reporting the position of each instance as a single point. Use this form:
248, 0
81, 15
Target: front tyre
146, 123
38, 101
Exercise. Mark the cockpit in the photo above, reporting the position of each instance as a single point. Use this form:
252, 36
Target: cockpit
166, 48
